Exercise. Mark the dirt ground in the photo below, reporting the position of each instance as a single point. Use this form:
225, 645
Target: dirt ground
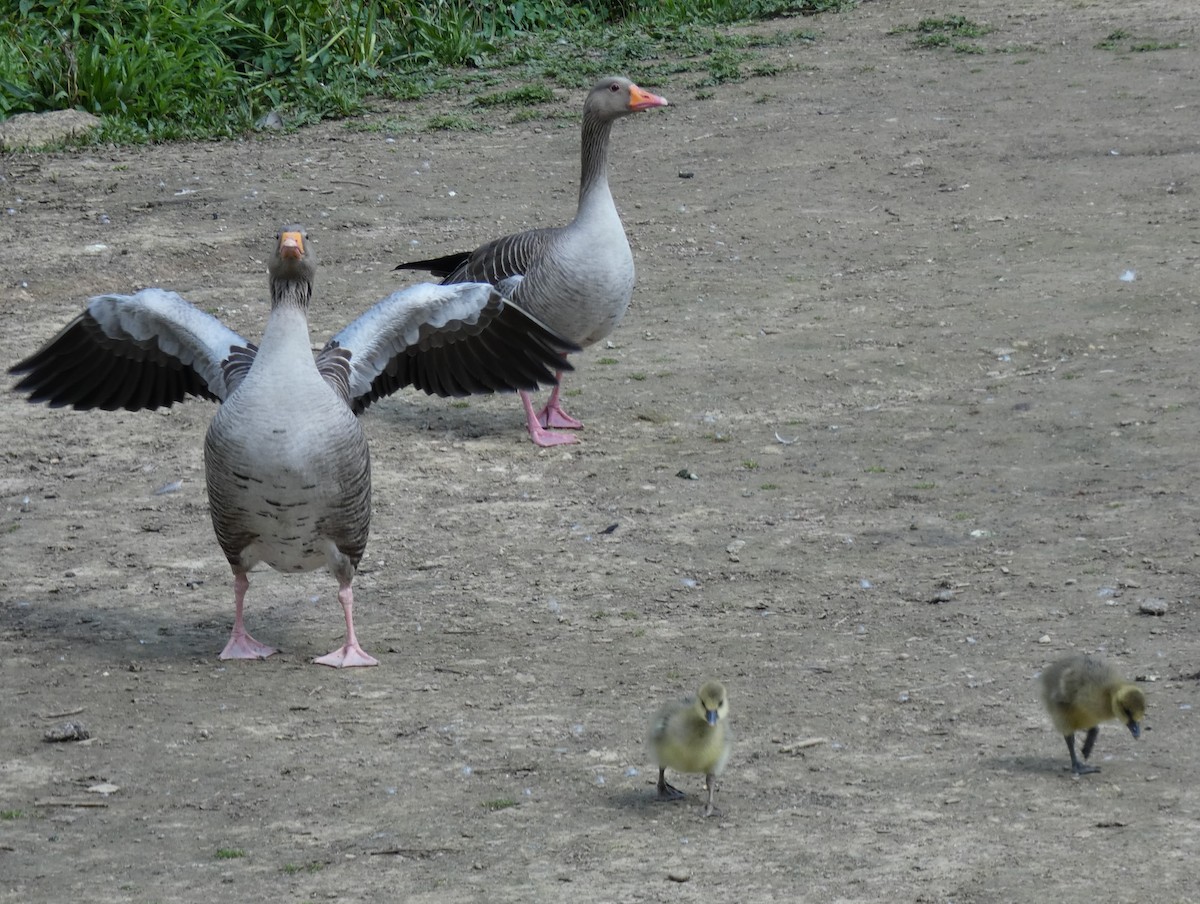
938, 442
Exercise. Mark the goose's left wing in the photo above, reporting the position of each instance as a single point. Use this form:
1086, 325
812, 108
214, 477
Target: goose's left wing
451, 340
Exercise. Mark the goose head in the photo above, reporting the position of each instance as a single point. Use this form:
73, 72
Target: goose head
613, 97
292, 266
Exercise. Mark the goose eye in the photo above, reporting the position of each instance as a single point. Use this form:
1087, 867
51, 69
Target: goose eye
614, 87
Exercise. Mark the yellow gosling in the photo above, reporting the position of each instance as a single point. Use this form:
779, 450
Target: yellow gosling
693, 736
1080, 692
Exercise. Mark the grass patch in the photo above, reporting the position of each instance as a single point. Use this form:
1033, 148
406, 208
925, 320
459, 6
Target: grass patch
608, 361
12, 814
229, 853
500, 803
292, 869
452, 122
516, 97
1121, 39
166, 69
946, 31
377, 126
1152, 45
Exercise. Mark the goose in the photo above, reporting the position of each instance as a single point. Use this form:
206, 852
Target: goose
693, 736
578, 278
286, 460
1079, 693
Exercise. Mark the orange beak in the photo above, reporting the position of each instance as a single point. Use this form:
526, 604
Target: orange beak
291, 245
640, 99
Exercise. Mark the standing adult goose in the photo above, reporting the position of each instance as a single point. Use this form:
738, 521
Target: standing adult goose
286, 461
578, 278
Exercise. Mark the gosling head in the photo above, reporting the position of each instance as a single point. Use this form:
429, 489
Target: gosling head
712, 703
1129, 705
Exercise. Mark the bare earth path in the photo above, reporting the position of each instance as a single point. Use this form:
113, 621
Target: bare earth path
907, 264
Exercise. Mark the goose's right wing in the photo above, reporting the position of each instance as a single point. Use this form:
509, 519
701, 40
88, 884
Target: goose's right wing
145, 350
448, 340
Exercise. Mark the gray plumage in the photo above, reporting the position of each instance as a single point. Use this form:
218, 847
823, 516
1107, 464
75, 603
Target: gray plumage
286, 461
578, 278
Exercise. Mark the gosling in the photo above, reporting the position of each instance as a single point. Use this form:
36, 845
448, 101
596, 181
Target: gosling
1080, 692
693, 736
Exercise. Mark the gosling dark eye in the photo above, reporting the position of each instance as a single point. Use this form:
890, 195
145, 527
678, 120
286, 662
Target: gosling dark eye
614, 88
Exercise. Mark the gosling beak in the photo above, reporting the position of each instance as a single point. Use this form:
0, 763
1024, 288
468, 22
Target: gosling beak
291, 245
711, 716
1134, 728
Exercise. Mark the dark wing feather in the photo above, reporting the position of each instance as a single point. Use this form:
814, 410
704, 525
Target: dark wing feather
147, 350
448, 340
510, 255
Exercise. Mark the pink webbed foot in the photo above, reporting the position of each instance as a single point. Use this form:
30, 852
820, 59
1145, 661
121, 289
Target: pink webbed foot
554, 416
537, 433
546, 438
242, 646
347, 656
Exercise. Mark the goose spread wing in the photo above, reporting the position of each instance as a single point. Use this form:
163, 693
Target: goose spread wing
145, 350
448, 340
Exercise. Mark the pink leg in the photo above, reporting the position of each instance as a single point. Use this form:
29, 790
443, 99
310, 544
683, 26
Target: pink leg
350, 653
241, 645
540, 436
553, 415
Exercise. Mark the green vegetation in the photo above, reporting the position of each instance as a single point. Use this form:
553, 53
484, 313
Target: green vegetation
500, 803
11, 814
1120, 39
291, 869
947, 31
171, 69
229, 853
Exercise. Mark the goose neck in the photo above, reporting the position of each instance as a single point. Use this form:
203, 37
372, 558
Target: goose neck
593, 174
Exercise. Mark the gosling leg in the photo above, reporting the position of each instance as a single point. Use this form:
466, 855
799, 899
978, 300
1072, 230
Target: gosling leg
1078, 767
710, 783
1090, 741
665, 791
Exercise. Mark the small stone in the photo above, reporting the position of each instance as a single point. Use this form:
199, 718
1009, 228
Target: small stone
1045, 638
945, 595
68, 731
679, 875
105, 788
1153, 606
686, 474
